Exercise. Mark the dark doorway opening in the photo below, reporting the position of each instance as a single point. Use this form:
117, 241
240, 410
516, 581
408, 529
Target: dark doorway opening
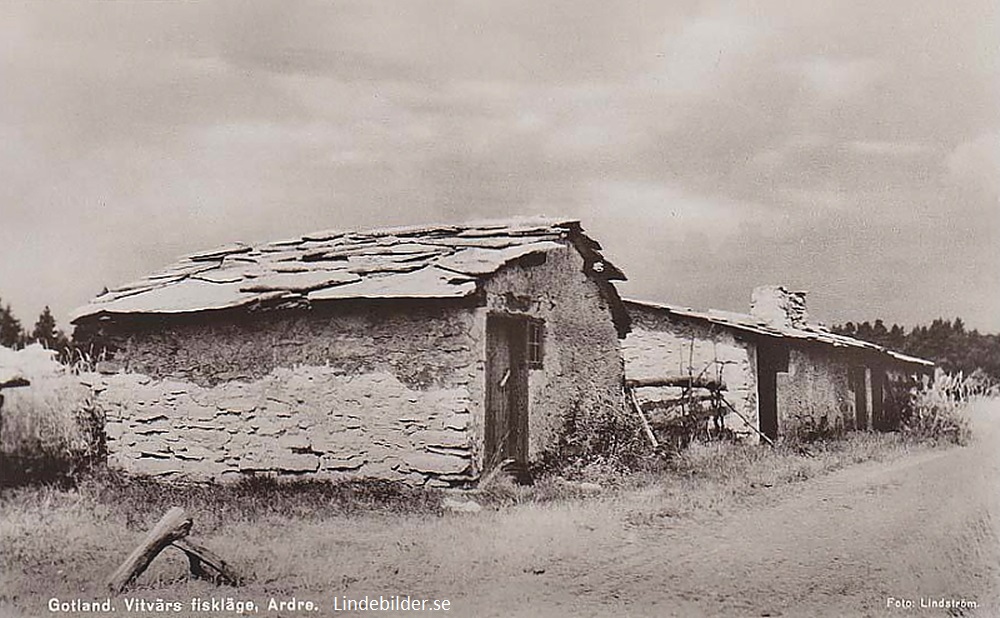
878, 387
771, 359
858, 380
507, 394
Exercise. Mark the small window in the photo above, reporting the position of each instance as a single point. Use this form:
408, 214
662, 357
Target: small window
536, 339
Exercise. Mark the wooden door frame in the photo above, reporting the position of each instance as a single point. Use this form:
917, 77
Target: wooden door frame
516, 408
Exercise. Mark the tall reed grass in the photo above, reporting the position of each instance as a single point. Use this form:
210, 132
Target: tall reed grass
49, 431
939, 412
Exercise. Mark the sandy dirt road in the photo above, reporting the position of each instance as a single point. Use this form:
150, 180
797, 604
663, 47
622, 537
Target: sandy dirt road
920, 528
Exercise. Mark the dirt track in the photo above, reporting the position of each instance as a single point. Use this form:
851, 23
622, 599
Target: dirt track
921, 527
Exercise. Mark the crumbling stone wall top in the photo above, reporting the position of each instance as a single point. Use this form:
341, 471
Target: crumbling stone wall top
778, 306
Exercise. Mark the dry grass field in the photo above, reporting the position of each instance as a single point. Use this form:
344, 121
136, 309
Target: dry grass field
538, 545
722, 529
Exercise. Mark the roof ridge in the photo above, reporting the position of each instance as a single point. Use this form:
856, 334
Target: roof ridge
490, 223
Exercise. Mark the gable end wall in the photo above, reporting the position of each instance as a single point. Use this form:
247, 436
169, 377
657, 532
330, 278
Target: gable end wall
579, 384
662, 346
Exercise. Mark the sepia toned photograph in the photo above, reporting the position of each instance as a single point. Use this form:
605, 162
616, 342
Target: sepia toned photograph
499, 309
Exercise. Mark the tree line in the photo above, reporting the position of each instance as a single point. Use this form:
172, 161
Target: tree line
45, 331
946, 342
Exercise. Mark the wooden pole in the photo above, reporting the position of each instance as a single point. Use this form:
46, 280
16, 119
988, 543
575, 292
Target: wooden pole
674, 401
173, 526
678, 381
645, 423
749, 424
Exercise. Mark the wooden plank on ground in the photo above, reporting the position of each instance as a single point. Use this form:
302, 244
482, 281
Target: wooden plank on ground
173, 526
206, 564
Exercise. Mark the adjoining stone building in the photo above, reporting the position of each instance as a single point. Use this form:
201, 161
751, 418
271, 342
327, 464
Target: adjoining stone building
421, 354
782, 375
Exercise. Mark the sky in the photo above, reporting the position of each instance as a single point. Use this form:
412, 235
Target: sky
850, 148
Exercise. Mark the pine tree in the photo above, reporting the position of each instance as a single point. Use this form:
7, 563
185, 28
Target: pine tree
879, 332
11, 334
46, 333
897, 337
864, 331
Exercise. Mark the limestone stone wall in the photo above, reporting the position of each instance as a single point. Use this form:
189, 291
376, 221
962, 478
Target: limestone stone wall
582, 370
661, 345
814, 395
364, 391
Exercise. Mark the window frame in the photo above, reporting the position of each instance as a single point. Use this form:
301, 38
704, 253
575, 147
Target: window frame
535, 344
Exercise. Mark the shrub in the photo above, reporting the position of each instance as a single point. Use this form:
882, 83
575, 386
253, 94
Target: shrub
602, 437
938, 412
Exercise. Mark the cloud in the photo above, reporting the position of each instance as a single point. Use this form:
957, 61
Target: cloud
677, 214
711, 145
707, 50
890, 149
833, 79
977, 162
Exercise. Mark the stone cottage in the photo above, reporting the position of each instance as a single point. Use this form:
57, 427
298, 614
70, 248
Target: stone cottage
422, 354
781, 374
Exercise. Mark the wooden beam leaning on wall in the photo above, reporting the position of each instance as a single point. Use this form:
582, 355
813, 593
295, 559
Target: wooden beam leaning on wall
647, 429
747, 422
